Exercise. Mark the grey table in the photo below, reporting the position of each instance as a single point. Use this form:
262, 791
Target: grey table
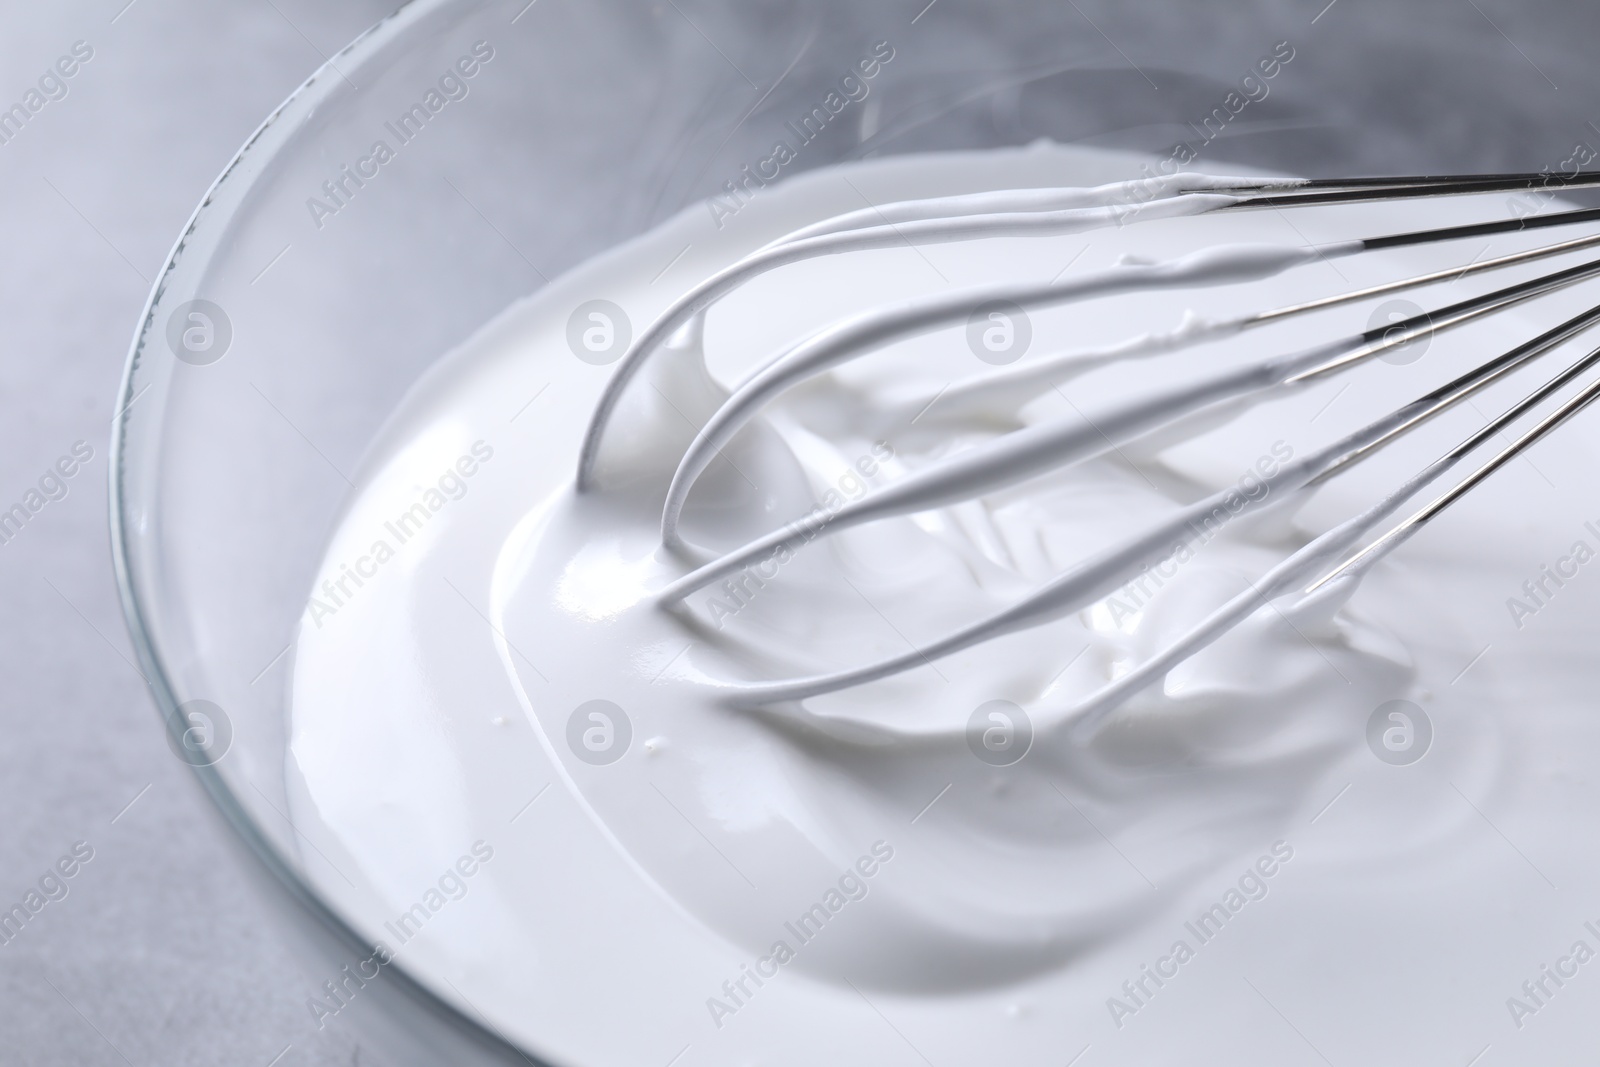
157, 954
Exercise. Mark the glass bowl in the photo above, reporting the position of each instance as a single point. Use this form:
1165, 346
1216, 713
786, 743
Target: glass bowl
322, 275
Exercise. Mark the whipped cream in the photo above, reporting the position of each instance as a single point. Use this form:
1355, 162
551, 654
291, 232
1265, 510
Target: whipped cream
932, 866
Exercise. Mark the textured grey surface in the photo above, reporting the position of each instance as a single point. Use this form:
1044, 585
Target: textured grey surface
158, 953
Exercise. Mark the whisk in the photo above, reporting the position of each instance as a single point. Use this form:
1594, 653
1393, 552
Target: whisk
1314, 574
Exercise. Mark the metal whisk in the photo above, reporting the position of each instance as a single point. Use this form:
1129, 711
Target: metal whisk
1319, 570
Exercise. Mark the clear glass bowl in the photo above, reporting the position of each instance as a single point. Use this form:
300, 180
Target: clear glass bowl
319, 278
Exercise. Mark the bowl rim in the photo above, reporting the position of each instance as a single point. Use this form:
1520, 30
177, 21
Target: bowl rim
273, 134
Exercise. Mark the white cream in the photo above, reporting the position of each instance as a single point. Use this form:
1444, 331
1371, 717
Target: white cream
974, 912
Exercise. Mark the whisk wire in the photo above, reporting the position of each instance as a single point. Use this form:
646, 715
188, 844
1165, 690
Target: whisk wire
1032, 450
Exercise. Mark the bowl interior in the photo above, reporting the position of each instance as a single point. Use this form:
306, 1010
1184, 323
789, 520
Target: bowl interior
465, 152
